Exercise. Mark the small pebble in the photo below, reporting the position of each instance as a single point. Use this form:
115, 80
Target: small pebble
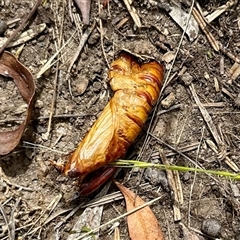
168, 101
82, 86
235, 190
186, 176
156, 177
3, 27
97, 86
187, 78
211, 227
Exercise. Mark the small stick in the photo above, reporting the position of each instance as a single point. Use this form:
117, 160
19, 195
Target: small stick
221, 9
213, 42
194, 178
175, 186
54, 97
82, 42
12, 222
133, 13
212, 105
101, 35
119, 217
21, 26
33, 145
68, 216
187, 148
227, 53
5, 220
43, 216
47, 117
202, 23
17, 186
55, 84
176, 150
206, 117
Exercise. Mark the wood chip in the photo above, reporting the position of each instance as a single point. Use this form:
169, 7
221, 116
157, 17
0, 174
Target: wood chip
132, 11
234, 71
220, 10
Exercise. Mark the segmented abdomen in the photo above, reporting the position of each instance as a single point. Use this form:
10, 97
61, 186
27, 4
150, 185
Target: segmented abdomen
136, 89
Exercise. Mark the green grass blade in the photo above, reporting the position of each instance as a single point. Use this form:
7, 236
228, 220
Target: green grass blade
134, 163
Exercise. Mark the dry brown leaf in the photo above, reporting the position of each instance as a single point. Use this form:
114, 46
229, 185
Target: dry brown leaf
142, 224
12, 68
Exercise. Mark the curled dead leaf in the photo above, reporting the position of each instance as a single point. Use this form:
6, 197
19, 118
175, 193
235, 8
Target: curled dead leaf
142, 224
12, 68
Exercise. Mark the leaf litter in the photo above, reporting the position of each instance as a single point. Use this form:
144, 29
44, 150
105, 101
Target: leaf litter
29, 168
10, 67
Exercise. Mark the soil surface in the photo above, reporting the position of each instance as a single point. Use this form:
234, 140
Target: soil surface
35, 198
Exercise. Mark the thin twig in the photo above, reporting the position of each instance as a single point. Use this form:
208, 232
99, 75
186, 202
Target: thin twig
176, 191
213, 42
44, 216
34, 145
203, 25
102, 35
178, 49
54, 116
12, 222
176, 150
5, 220
82, 42
54, 97
194, 179
21, 26
119, 217
206, 117
68, 216
132, 11
17, 185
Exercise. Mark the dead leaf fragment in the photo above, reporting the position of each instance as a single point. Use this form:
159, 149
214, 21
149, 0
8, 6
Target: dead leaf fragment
142, 224
187, 234
234, 71
84, 6
181, 18
11, 67
89, 219
168, 56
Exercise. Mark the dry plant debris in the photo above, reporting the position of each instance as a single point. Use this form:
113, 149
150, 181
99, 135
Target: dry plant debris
181, 18
142, 224
11, 68
38, 201
84, 6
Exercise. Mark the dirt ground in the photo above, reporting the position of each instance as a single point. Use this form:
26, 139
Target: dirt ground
34, 197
